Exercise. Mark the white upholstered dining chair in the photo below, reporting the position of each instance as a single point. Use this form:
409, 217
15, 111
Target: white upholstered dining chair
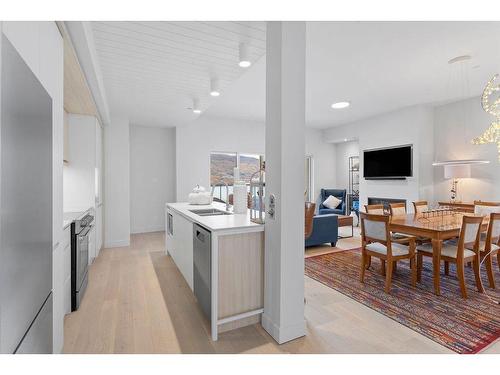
490, 246
376, 242
464, 251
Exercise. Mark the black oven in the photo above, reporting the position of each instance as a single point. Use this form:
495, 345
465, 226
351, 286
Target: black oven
80, 230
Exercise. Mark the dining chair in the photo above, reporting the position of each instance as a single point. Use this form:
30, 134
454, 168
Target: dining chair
420, 206
491, 246
464, 251
397, 208
376, 242
310, 209
485, 208
485, 203
376, 209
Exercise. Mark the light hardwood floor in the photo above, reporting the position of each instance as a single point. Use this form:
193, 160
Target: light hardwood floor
138, 302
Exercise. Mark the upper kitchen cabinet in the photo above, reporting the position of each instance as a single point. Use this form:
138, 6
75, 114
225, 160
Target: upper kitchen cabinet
80, 178
66, 138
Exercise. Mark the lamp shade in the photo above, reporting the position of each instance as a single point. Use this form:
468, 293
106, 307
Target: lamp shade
457, 171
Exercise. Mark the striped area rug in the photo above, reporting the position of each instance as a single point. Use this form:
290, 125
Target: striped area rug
464, 326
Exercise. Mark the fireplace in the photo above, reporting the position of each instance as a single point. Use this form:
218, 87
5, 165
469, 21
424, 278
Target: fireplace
385, 201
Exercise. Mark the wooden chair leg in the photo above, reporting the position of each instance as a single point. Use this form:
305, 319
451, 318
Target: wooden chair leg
446, 268
394, 266
498, 260
369, 261
382, 267
413, 267
419, 266
388, 277
476, 264
489, 271
363, 266
461, 278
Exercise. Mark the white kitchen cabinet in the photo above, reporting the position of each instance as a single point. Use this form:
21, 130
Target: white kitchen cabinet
98, 189
66, 138
169, 232
67, 269
80, 172
179, 249
98, 229
92, 247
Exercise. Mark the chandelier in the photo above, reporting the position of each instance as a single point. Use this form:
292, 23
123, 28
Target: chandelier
492, 134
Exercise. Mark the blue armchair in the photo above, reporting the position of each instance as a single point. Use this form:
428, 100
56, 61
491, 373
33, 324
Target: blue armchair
325, 230
338, 193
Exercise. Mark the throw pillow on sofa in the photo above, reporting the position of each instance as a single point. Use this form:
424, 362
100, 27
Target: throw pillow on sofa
332, 202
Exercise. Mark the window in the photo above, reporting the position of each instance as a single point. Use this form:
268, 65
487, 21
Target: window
222, 166
249, 164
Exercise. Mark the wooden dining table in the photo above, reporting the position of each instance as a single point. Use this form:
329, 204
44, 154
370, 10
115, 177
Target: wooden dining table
437, 229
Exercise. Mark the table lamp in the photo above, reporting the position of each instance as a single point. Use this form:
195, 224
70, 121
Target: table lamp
455, 172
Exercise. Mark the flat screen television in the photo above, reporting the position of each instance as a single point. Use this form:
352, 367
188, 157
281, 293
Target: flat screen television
388, 163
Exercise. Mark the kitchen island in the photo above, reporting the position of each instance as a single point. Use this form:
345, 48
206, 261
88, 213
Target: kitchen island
221, 257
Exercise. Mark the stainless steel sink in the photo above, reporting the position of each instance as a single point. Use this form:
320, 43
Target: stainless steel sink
210, 212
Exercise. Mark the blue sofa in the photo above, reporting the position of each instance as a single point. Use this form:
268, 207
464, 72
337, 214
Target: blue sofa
338, 193
325, 230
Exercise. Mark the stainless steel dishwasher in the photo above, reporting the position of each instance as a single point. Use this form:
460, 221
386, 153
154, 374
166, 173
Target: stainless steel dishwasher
202, 264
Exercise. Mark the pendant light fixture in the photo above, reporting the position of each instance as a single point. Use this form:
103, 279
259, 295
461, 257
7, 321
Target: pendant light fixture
244, 58
214, 87
459, 72
492, 107
459, 168
196, 106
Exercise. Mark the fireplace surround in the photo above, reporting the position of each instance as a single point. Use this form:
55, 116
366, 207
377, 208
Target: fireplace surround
385, 201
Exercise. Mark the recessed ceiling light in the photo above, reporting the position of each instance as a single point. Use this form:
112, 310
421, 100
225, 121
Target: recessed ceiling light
341, 105
214, 87
243, 54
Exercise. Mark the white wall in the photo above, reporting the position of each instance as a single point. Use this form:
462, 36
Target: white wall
41, 46
324, 163
117, 183
343, 151
453, 142
79, 172
412, 125
197, 140
152, 177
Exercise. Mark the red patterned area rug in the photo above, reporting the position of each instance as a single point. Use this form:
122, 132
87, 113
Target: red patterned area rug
464, 326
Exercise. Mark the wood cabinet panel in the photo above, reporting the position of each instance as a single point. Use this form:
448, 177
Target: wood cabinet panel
241, 273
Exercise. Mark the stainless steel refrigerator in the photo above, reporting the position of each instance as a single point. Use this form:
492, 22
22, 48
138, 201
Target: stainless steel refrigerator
26, 208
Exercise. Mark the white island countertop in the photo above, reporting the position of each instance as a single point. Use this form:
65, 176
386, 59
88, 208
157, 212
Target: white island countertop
69, 217
237, 222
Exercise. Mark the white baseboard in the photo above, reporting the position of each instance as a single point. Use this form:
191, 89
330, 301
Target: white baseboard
160, 228
283, 334
121, 243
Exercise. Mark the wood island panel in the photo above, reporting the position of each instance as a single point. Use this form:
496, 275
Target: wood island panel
241, 273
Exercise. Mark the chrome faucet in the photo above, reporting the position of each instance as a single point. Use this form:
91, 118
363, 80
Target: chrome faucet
228, 206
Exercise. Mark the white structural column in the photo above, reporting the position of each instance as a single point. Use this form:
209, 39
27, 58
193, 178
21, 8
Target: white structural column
283, 314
